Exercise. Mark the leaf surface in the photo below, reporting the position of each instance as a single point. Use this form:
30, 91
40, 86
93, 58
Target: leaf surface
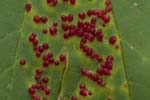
132, 18
16, 26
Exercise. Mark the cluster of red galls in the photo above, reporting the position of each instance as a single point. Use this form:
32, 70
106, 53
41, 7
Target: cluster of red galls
83, 92
39, 49
47, 60
86, 31
41, 85
40, 19
104, 69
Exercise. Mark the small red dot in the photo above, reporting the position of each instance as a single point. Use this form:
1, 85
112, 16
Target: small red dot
82, 15
112, 40
47, 91
39, 71
64, 18
74, 98
62, 57
38, 54
36, 19
35, 42
44, 31
72, 2
45, 45
82, 86
53, 30
28, 7
56, 62
22, 62
108, 8
106, 18
31, 90
83, 92
107, 2
45, 79
43, 19
70, 17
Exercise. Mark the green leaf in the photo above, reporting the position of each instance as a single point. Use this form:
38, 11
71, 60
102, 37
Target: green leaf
130, 64
132, 18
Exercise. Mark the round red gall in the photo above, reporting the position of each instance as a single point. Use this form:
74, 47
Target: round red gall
35, 97
44, 31
46, 63
39, 71
106, 18
72, 2
90, 12
70, 17
45, 79
112, 40
45, 45
36, 19
99, 58
31, 38
33, 34
93, 20
62, 57
83, 92
52, 2
108, 8
53, 30
31, 90
74, 98
82, 86
55, 2
40, 48
35, 42
101, 82
64, 18
22, 62
50, 54
33, 86
47, 91
66, 35
45, 57
38, 86
99, 35
82, 15
38, 54
106, 71
28, 7
84, 71
107, 2
37, 77
56, 62
43, 19
109, 58
99, 71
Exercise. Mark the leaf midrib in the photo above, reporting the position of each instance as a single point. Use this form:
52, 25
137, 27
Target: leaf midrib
121, 52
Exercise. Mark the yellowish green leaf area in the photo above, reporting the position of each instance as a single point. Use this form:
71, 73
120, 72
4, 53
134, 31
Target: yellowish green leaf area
65, 79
